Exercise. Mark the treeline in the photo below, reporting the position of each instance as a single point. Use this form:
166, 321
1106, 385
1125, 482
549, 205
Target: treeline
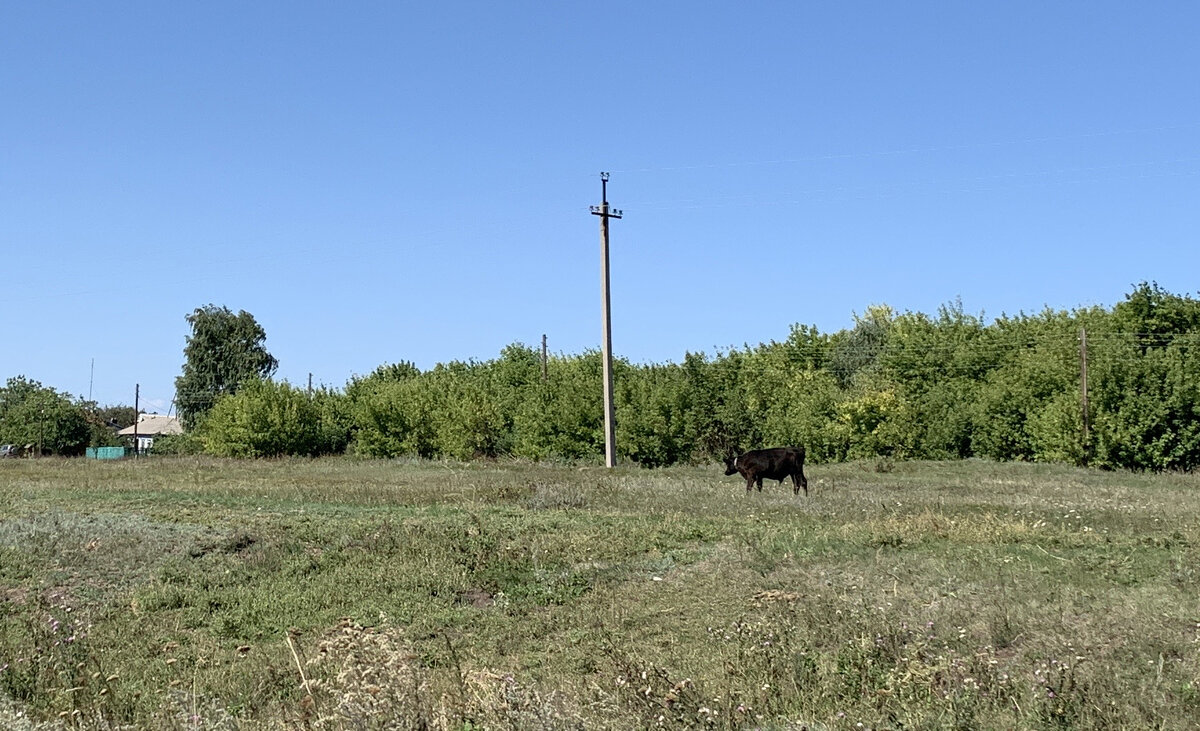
38, 419
896, 385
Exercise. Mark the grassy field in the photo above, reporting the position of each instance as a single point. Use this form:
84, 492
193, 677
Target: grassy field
202, 594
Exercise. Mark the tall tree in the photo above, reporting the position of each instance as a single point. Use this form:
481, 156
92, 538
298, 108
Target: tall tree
223, 352
31, 413
105, 421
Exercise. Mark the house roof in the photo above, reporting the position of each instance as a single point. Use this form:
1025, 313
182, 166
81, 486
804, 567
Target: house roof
150, 425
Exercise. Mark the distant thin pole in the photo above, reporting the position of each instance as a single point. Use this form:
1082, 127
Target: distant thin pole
1083, 395
610, 432
545, 371
91, 378
137, 393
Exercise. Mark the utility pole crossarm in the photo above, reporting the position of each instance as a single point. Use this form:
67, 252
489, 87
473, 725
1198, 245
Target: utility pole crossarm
603, 209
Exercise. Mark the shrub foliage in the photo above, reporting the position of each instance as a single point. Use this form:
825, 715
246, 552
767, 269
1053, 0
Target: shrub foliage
896, 385
50, 421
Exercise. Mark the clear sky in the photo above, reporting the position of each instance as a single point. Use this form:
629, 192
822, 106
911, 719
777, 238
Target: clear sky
384, 181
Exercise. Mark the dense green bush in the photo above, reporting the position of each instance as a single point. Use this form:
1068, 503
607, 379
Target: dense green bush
272, 419
562, 417
896, 385
188, 443
651, 405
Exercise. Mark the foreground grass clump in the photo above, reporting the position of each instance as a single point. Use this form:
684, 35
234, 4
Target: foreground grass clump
197, 593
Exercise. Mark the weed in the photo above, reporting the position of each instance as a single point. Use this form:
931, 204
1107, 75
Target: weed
372, 678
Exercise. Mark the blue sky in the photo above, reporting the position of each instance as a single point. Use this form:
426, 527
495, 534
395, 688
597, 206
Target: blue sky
391, 181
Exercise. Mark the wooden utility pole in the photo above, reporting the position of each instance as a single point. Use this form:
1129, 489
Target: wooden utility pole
310, 385
545, 370
1083, 395
610, 429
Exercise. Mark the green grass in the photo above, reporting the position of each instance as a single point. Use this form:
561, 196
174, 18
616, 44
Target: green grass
198, 593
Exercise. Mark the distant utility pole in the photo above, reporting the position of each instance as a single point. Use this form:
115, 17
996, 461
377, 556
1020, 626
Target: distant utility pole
137, 394
545, 371
610, 430
1083, 395
310, 385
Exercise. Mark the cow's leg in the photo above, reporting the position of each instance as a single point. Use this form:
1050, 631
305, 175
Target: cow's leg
749, 482
758, 482
799, 481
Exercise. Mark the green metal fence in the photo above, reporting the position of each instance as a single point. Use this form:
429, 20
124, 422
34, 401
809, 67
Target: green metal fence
105, 452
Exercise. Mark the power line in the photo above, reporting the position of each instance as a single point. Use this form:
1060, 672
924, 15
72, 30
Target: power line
914, 150
875, 192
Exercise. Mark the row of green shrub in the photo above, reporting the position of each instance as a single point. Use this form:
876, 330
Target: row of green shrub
899, 385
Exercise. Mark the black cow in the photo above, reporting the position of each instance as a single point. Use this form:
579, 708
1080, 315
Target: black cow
774, 464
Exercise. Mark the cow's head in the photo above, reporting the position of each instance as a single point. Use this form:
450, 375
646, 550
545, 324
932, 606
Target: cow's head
731, 465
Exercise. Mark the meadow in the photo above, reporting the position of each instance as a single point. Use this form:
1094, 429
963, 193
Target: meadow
343, 593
